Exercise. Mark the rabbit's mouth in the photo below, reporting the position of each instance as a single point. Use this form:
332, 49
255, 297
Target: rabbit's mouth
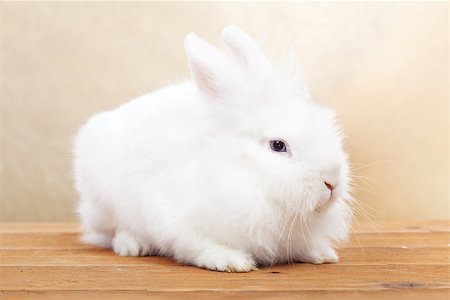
325, 203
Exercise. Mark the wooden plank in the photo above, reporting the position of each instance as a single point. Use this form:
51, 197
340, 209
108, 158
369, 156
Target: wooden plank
401, 226
163, 277
400, 239
56, 240
403, 260
41, 240
102, 257
367, 227
398, 294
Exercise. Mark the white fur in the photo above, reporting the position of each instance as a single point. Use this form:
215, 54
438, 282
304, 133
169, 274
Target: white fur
187, 172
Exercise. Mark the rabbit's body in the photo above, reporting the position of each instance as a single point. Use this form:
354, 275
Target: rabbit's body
174, 173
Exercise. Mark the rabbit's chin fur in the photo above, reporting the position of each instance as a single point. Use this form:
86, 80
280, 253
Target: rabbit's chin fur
187, 172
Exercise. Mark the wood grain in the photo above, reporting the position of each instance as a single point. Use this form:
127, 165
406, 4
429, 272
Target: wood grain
401, 260
100, 257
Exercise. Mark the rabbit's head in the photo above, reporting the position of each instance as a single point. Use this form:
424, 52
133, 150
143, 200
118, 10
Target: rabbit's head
292, 146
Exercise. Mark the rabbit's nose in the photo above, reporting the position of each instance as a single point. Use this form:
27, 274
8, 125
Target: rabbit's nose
329, 186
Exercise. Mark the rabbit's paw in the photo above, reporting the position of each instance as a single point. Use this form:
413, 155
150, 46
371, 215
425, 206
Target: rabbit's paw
125, 245
322, 255
223, 259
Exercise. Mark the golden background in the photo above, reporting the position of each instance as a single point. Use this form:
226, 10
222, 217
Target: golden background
382, 66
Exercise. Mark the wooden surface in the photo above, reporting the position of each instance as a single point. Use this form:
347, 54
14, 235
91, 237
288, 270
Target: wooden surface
399, 260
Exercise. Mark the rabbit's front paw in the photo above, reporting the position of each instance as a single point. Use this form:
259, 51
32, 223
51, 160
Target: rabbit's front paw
126, 245
322, 255
226, 260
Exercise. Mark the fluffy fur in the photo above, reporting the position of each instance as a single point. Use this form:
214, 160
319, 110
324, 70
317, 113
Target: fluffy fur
187, 172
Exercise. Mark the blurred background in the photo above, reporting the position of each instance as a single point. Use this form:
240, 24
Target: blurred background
382, 66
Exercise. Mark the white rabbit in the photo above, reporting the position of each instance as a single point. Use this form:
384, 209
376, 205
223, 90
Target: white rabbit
234, 169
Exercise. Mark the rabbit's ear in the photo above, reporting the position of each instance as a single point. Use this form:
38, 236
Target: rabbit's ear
207, 64
244, 48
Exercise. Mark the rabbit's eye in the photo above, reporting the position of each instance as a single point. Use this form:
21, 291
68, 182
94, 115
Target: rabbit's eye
278, 146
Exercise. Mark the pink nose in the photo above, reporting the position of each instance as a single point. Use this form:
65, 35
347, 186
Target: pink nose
329, 186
